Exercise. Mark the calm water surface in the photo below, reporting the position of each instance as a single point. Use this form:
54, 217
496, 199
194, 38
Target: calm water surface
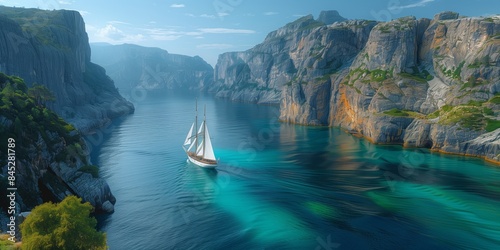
281, 186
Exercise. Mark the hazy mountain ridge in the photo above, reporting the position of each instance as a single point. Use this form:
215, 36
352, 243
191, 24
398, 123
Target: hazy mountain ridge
423, 83
152, 69
51, 48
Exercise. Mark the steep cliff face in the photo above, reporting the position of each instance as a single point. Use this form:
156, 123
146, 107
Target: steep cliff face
51, 159
132, 66
301, 51
419, 83
51, 48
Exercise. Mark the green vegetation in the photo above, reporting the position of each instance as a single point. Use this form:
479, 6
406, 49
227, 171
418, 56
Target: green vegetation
397, 112
41, 95
418, 76
495, 99
485, 60
492, 125
6, 244
385, 29
30, 120
489, 19
40, 24
91, 169
66, 225
488, 111
454, 73
473, 115
378, 75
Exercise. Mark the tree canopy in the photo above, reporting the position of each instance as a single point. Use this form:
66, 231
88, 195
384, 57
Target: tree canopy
67, 225
41, 94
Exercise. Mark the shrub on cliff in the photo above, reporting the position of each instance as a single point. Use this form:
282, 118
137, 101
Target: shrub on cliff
66, 225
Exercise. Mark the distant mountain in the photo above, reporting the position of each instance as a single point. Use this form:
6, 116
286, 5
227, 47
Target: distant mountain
133, 66
417, 82
51, 48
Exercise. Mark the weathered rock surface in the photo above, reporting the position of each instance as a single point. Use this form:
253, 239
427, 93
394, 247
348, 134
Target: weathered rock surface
299, 52
151, 69
51, 48
416, 82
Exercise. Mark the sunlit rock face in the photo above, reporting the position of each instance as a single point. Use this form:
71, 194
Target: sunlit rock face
415, 82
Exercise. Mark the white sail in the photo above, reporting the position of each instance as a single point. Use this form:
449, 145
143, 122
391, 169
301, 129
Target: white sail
199, 150
199, 147
209, 151
200, 131
191, 147
189, 136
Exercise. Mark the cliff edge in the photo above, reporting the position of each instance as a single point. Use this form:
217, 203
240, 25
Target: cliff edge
51, 48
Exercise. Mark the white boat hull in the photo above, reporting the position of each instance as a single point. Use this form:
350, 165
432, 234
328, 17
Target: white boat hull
201, 164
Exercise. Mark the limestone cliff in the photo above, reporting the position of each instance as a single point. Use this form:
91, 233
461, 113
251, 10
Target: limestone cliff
299, 52
152, 69
51, 48
416, 82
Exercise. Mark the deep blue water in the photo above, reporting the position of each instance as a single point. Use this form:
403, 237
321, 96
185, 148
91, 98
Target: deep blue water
282, 186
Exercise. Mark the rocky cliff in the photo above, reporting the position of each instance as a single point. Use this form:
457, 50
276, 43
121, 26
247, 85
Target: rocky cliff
50, 157
299, 52
51, 48
417, 82
152, 69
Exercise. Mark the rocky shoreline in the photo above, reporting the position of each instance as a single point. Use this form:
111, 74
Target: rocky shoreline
428, 83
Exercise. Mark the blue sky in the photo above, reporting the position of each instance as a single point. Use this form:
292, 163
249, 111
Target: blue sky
209, 28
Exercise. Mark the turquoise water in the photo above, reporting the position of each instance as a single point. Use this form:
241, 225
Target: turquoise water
281, 186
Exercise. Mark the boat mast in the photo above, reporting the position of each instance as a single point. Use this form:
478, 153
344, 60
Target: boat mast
196, 128
204, 132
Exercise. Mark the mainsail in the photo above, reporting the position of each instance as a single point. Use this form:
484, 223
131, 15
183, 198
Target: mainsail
209, 151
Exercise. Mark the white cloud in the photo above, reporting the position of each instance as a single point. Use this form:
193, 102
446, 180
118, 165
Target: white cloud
62, 2
177, 5
118, 22
214, 46
207, 16
222, 14
420, 3
111, 34
226, 31
83, 12
163, 34
270, 13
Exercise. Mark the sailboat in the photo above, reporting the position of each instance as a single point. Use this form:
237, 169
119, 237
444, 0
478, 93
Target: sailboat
198, 145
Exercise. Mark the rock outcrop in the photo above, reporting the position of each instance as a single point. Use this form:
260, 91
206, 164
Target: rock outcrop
415, 82
330, 17
51, 48
151, 69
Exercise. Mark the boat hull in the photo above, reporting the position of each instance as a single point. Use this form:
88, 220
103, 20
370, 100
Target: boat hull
201, 164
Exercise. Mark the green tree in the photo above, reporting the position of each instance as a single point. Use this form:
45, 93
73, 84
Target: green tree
66, 225
41, 94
